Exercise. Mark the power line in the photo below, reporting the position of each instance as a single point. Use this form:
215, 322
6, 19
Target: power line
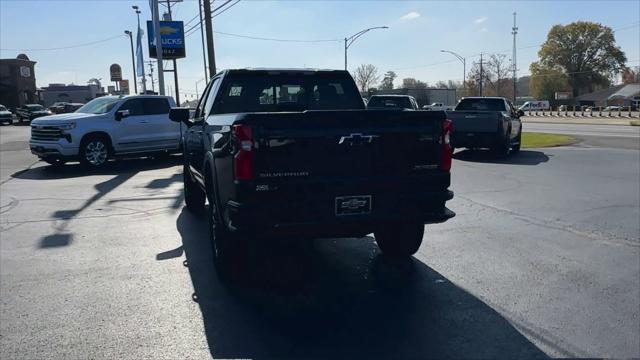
274, 39
197, 26
221, 11
68, 47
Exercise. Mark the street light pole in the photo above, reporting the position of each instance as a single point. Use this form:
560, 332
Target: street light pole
348, 41
464, 67
133, 62
144, 79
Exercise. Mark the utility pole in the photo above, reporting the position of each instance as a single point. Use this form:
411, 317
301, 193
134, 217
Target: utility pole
209, 29
133, 62
515, 68
156, 33
204, 56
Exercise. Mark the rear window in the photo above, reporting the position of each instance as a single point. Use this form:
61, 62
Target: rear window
389, 102
481, 105
260, 92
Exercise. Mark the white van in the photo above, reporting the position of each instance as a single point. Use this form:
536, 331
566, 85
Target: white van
536, 105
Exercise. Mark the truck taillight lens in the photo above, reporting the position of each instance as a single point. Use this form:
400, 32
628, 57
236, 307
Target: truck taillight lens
243, 160
447, 150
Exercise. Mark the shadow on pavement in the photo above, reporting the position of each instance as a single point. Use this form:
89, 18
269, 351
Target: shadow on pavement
524, 157
56, 240
340, 299
120, 166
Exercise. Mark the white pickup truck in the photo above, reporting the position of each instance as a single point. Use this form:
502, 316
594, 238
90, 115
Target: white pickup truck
106, 127
437, 107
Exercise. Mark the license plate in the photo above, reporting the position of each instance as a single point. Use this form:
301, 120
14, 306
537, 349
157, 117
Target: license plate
353, 205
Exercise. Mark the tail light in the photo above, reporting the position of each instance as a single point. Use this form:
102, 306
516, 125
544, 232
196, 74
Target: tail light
447, 150
243, 160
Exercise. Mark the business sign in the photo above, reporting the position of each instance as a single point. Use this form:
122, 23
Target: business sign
25, 71
172, 38
111, 89
124, 87
561, 95
116, 72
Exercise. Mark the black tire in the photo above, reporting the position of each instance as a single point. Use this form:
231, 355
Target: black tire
95, 151
194, 197
400, 240
501, 149
229, 249
55, 161
516, 148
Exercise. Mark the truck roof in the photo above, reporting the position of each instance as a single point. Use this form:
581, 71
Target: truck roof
283, 70
137, 96
484, 97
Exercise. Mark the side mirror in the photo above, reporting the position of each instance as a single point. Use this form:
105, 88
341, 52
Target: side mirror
520, 113
180, 114
121, 114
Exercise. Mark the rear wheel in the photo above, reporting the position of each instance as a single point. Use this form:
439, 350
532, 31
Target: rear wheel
194, 197
229, 249
501, 149
400, 240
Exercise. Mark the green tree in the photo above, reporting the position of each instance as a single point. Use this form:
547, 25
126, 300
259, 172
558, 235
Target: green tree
544, 82
387, 80
585, 51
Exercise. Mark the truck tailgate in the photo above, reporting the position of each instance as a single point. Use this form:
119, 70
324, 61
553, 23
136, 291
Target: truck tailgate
348, 144
474, 121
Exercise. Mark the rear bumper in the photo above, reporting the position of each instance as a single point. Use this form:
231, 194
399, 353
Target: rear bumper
474, 139
292, 219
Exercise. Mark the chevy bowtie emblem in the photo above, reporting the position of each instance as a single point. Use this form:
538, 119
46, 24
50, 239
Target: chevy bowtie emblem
357, 139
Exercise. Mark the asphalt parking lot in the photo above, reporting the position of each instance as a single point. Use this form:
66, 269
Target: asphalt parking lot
542, 260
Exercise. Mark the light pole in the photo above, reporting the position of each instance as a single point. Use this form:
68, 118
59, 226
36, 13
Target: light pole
197, 82
348, 41
464, 67
133, 62
144, 79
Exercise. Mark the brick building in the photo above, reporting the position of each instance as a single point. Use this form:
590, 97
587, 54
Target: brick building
17, 82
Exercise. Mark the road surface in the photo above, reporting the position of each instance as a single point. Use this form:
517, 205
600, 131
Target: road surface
541, 260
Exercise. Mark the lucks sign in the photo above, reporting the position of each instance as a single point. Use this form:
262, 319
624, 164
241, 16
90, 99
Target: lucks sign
116, 72
172, 37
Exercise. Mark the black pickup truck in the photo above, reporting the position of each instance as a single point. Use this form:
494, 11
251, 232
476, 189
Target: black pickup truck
293, 153
486, 122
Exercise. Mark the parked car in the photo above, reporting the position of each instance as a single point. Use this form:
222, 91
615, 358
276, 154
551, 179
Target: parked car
437, 107
71, 107
312, 163
486, 122
58, 107
106, 127
31, 111
6, 117
562, 108
400, 102
612, 108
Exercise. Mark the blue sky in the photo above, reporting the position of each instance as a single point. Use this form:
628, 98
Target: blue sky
410, 47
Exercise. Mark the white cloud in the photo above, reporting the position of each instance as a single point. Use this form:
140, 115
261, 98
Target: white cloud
410, 16
480, 20
484, 29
